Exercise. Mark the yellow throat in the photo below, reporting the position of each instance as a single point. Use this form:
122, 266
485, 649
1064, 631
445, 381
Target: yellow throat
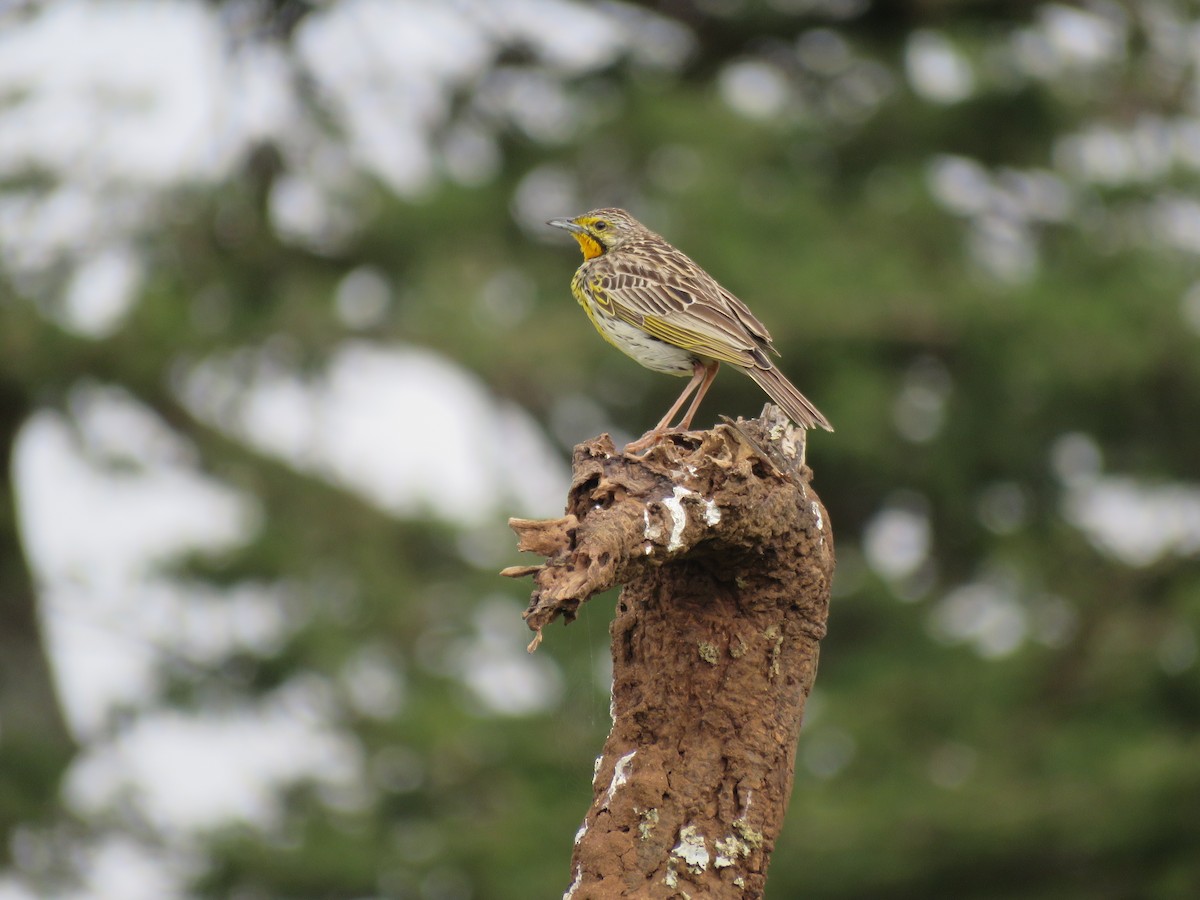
589, 245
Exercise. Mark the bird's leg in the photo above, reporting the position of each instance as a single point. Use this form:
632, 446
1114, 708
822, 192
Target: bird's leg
698, 375
710, 372
697, 378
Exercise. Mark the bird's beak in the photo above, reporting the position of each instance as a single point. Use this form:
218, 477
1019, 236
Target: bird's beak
568, 225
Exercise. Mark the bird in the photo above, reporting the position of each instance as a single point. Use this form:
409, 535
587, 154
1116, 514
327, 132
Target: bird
653, 303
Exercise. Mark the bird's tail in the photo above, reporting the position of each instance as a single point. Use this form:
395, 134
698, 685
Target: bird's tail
798, 407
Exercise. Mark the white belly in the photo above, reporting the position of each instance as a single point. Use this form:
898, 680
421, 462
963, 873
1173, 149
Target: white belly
652, 353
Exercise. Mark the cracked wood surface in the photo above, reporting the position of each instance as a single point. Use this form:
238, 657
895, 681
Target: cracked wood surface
726, 555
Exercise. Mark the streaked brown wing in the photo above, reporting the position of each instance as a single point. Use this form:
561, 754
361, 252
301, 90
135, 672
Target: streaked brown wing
678, 302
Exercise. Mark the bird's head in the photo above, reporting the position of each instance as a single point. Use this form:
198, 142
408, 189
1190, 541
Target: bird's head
601, 230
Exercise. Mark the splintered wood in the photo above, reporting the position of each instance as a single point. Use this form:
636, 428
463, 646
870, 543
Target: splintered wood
725, 555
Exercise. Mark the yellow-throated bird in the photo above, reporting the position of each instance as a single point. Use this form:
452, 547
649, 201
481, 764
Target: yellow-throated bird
653, 303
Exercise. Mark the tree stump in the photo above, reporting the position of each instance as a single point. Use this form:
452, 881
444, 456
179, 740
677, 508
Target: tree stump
726, 557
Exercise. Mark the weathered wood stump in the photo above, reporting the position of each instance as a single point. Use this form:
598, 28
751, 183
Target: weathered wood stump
726, 557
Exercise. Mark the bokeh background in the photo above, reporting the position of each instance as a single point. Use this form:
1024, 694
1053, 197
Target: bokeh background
284, 340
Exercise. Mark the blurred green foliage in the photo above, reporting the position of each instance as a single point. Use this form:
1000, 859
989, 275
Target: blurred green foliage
1011, 708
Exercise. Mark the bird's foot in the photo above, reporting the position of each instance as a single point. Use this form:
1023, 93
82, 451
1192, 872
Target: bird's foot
647, 440
654, 436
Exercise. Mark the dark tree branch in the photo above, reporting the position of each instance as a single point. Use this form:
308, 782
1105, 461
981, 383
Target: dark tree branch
726, 557
35, 743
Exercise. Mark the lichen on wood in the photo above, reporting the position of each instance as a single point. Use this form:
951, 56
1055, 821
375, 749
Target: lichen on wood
726, 556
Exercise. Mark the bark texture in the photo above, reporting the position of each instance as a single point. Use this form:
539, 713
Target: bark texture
726, 556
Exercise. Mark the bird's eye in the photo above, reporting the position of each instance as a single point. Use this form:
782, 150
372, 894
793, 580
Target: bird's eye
600, 226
